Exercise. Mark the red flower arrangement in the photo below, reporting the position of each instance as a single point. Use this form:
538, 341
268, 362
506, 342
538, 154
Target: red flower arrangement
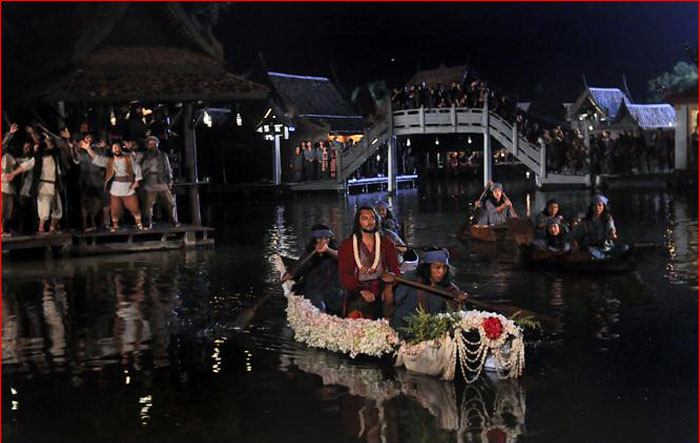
492, 327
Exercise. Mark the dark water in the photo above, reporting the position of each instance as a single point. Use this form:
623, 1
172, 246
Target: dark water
143, 347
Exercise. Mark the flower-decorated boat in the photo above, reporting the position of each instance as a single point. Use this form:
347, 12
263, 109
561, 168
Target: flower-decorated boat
474, 341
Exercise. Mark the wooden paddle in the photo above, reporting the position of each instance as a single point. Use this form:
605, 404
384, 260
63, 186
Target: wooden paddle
301, 264
508, 310
511, 204
246, 316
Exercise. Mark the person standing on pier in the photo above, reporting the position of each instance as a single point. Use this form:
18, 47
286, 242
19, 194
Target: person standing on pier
158, 181
362, 260
9, 162
123, 177
46, 183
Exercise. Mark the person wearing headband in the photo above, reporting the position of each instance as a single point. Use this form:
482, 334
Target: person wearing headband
318, 279
496, 208
555, 239
552, 210
433, 270
597, 231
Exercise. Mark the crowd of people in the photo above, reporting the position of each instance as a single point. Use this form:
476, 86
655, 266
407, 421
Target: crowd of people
54, 182
313, 161
566, 151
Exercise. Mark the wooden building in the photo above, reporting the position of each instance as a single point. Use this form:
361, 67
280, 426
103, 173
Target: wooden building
68, 62
306, 108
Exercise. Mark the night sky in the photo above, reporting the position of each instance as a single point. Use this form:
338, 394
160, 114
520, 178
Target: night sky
535, 50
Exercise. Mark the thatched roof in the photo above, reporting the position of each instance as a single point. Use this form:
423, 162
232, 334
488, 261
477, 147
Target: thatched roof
115, 51
607, 101
648, 116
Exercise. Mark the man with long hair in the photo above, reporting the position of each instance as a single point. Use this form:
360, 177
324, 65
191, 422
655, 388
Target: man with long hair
362, 260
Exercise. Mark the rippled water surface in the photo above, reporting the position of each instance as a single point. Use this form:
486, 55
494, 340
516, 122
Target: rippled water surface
147, 347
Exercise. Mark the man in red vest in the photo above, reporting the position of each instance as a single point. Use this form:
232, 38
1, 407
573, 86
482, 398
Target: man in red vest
362, 260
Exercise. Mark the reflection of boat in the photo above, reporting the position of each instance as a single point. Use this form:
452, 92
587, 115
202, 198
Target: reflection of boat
490, 410
477, 341
577, 261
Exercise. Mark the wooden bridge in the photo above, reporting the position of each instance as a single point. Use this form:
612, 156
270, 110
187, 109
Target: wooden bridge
445, 121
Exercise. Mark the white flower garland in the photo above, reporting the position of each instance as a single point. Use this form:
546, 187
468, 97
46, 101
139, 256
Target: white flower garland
346, 335
376, 337
377, 253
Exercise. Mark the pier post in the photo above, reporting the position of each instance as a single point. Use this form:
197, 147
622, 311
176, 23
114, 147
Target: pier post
391, 154
487, 143
277, 161
190, 124
515, 140
681, 142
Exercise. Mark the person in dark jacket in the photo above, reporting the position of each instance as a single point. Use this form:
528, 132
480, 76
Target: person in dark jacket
318, 279
434, 270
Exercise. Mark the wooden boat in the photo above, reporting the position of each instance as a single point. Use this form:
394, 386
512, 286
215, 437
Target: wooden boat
518, 229
503, 353
489, 233
577, 261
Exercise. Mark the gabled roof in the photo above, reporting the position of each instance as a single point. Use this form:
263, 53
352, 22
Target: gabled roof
119, 51
443, 75
648, 116
310, 97
605, 100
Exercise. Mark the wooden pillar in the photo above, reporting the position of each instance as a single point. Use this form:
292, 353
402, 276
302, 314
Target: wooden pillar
543, 160
515, 140
391, 164
190, 161
453, 117
421, 118
277, 161
487, 143
681, 142
391, 154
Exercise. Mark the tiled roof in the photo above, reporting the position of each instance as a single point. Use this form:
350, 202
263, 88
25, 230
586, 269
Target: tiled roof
304, 95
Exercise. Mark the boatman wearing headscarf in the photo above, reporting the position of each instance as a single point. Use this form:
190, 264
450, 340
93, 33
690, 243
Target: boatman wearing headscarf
434, 270
362, 260
496, 208
318, 279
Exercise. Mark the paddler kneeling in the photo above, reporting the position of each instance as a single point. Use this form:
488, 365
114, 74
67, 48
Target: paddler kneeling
434, 270
362, 260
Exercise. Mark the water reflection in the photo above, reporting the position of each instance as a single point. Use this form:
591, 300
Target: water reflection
391, 406
75, 331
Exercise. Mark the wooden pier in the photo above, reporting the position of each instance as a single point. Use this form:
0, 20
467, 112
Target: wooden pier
124, 240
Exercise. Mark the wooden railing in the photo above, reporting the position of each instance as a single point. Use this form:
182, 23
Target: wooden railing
452, 121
